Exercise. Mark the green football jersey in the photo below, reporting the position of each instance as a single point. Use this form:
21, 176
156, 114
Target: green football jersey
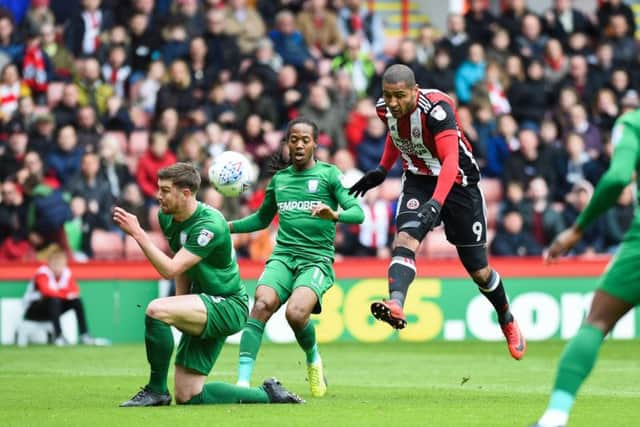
206, 234
292, 194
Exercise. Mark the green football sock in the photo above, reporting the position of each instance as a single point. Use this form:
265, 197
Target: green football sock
307, 340
158, 340
249, 347
577, 360
219, 392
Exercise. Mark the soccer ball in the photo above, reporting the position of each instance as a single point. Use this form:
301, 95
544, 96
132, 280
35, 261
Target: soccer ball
231, 174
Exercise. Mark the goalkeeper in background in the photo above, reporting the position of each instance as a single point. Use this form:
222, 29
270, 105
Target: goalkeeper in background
306, 195
211, 301
619, 288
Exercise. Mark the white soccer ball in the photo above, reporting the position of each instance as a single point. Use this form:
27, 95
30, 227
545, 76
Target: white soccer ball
231, 173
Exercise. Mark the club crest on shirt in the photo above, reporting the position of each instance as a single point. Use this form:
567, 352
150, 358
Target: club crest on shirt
413, 204
312, 185
183, 238
438, 113
204, 237
416, 132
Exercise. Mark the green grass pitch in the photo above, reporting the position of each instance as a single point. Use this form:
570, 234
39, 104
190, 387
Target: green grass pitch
391, 384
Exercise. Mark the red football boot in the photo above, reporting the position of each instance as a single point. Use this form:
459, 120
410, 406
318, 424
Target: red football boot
389, 311
515, 340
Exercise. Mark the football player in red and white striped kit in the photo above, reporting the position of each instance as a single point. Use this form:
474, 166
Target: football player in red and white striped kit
440, 183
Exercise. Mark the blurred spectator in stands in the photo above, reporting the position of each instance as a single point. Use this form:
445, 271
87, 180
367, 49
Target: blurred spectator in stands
513, 198
52, 292
255, 143
169, 126
584, 83
10, 44
190, 15
12, 88
14, 244
480, 22
39, 15
76, 230
222, 48
47, 211
319, 26
550, 142
117, 35
88, 130
191, 150
346, 163
425, 44
470, 72
500, 146
245, 24
65, 158
265, 64
132, 200
342, 92
117, 117
512, 239
112, 165
155, 158
202, 73
177, 93
293, 92
115, 71
529, 162
12, 154
514, 69
93, 187
175, 42
357, 64
544, 222
562, 19
630, 101
357, 122
354, 18
623, 43
456, 40
529, 98
149, 86
512, 15
604, 65
441, 73
580, 44
556, 62
66, 111
230, 208
61, 58
369, 151
595, 168
36, 67
145, 44
493, 89
82, 35
91, 89
608, 8
407, 55
256, 101
468, 127
33, 165
580, 124
620, 83
289, 43
500, 48
319, 109
26, 113
218, 108
531, 41
617, 221
592, 237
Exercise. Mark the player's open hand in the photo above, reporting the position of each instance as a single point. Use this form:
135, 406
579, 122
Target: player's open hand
325, 212
562, 244
371, 179
126, 221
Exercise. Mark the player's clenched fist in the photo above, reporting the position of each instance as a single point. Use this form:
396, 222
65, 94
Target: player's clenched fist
126, 221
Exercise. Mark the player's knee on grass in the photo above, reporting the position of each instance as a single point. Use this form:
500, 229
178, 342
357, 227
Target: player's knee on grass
157, 309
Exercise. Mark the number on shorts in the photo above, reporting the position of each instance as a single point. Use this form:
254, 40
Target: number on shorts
477, 230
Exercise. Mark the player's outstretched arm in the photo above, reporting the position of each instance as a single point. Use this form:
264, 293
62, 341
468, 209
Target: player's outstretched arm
167, 267
261, 218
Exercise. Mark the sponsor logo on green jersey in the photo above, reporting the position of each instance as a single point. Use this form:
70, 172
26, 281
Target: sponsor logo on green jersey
292, 205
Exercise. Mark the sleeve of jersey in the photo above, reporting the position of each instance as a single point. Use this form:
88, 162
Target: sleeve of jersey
352, 213
616, 178
44, 286
204, 238
261, 218
441, 123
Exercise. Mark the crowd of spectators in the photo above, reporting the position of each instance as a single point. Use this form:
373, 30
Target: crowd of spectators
97, 95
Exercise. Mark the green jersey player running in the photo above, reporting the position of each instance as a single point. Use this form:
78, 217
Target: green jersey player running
619, 288
306, 195
211, 302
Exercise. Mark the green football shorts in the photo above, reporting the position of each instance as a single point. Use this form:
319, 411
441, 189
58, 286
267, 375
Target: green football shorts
621, 279
225, 316
284, 273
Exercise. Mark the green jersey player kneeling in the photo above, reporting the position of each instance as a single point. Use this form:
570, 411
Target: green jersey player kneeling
211, 301
306, 195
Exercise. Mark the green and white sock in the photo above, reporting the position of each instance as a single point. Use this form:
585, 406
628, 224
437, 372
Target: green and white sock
249, 346
219, 392
307, 340
158, 341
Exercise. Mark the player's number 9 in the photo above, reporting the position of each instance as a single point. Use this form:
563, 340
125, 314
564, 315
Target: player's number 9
477, 230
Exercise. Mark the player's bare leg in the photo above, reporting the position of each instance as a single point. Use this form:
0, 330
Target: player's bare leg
299, 308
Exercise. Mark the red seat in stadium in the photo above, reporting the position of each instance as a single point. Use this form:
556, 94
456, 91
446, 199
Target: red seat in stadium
107, 245
133, 252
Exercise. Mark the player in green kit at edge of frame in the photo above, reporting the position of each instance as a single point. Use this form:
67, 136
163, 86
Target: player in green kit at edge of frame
619, 287
211, 301
306, 195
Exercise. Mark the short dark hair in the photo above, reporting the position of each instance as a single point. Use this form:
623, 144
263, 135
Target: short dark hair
305, 121
399, 73
182, 175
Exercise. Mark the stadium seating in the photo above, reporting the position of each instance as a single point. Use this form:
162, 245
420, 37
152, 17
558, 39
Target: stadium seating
106, 245
133, 252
